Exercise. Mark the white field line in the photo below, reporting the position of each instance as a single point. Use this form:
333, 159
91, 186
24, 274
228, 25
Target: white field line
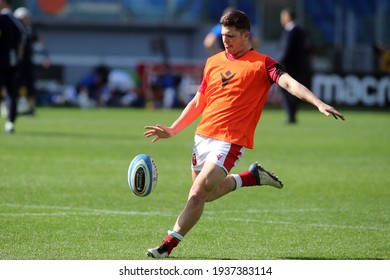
208, 216
79, 211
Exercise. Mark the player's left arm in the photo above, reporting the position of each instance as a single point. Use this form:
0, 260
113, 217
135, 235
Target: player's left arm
297, 89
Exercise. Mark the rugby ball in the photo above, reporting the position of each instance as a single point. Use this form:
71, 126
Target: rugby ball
142, 175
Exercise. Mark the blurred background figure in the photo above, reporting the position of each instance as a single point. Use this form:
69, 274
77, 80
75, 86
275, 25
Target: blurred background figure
123, 89
165, 88
91, 88
213, 39
33, 45
12, 38
293, 52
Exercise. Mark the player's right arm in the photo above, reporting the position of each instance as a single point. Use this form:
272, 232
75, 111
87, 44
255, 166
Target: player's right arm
190, 113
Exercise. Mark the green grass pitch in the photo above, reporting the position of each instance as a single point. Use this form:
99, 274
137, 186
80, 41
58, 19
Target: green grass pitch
64, 192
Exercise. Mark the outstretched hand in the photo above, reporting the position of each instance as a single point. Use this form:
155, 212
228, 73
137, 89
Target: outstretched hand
160, 131
329, 110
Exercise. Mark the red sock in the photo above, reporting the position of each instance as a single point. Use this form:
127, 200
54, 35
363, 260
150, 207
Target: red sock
248, 179
171, 242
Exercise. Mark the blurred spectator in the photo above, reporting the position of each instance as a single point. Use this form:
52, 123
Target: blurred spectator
12, 38
90, 89
123, 90
165, 88
213, 39
33, 44
294, 54
101, 87
187, 88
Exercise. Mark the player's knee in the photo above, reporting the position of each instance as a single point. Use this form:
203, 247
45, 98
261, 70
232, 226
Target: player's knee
195, 200
200, 192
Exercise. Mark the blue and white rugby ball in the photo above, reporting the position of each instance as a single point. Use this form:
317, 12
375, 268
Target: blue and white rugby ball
142, 175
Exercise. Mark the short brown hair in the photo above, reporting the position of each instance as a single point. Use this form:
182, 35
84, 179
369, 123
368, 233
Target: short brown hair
237, 19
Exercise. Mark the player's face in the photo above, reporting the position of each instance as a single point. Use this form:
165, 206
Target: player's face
233, 40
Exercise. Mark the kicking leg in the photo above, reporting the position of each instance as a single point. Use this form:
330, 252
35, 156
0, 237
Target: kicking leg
205, 182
